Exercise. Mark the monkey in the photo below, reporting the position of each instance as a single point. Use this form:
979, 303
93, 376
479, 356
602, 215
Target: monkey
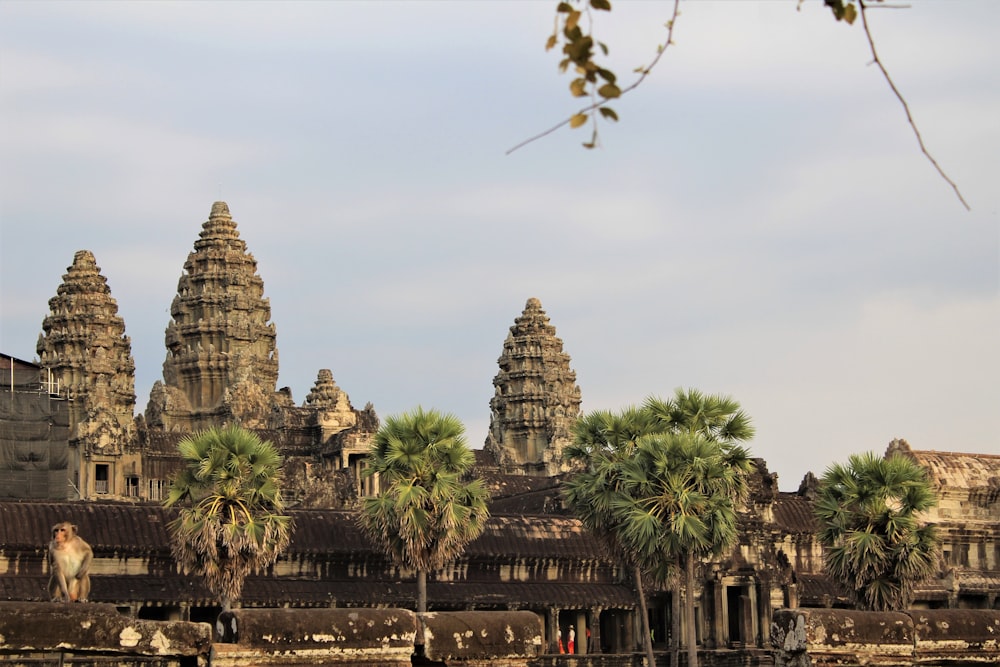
69, 564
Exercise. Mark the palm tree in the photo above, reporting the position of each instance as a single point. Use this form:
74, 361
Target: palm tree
870, 517
661, 485
425, 513
231, 523
686, 492
713, 416
603, 442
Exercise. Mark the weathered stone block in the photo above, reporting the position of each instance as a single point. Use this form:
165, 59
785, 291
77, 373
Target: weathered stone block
83, 627
481, 635
972, 635
358, 637
841, 637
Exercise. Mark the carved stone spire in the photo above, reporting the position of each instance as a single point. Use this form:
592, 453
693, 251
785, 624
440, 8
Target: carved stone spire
536, 400
325, 393
220, 337
84, 346
334, 412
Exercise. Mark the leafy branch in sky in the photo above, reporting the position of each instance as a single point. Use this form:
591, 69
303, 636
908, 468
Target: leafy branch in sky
574, 30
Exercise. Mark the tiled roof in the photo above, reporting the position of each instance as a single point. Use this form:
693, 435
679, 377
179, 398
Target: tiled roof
793, 514
319, 592
133, 528
819, 590
974, 581
137, 529
953, 469
542, 501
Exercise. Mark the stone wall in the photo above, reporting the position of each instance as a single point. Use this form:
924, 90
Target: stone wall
51, 633
842, 638
42, 633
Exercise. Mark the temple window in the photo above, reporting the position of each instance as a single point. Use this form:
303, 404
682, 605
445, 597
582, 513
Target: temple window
158, 489
101, 478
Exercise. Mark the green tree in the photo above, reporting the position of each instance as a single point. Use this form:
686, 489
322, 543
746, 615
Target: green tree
870, 513
602, 442
426, 512
661, 492
229, 523
713, 416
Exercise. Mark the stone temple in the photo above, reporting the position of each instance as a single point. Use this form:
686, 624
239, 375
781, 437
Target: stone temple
71, 448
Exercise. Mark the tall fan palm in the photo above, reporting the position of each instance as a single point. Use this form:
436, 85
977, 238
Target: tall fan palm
661, 486
713, 416
685, 492
877, 546
425, 513
230, 522
602, 444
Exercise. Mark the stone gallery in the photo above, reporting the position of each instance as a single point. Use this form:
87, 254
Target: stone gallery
72, 449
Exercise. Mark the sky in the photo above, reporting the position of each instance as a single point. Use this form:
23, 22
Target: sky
760, 222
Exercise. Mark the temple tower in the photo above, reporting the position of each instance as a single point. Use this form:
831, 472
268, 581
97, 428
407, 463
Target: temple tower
88, 359
222, 361
536, 398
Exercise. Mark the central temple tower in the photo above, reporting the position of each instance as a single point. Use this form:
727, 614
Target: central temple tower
536, 398
221, 354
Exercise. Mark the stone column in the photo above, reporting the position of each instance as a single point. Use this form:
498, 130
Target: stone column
633, 630
594, 641
581, 632
763, 612
553, 630
792, 596
720, 615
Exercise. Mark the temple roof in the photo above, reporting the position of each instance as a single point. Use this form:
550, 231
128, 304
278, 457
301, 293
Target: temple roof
136, 529
272, 591
957, 470
794, 514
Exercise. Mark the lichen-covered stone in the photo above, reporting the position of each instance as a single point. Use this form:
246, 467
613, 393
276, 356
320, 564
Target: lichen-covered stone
480, 635
804, 637
99, 628
333, 629
951, 634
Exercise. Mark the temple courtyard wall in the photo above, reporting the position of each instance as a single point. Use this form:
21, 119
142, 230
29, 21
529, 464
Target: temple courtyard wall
43, 633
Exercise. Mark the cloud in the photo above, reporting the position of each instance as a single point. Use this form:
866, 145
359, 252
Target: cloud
760, 222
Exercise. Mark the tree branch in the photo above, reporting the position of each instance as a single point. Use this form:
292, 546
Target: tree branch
906, 108
643, 73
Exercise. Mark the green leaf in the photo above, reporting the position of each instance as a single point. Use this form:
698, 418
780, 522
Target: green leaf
578, 87
564, 8
604, 5
609, 91
609, 113
850, 13
551, 42
577, 120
